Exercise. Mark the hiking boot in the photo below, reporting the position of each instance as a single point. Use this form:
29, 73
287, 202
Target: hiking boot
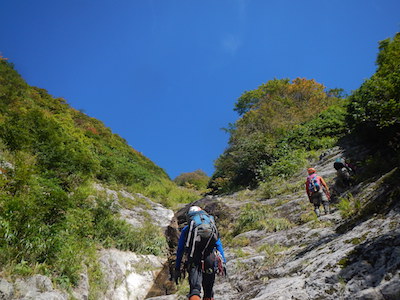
326, 209
194, 297
317, 212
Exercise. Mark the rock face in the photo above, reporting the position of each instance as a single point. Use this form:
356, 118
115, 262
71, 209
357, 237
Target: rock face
128, 276
139, 209
36, 287
325, 258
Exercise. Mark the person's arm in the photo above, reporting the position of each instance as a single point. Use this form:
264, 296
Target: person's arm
181, 247
308, 191
325, 186
219, 247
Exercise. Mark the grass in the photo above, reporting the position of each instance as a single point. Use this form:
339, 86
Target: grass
349, 206
240, 253
259, 217
168, 194
239, 241
276, 186
273, 253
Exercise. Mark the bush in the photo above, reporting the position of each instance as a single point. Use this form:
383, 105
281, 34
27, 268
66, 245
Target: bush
196, 180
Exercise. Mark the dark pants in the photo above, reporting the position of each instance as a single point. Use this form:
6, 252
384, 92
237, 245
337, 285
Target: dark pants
202, 276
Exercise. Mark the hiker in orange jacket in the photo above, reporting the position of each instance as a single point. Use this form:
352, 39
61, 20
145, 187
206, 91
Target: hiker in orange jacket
317, 191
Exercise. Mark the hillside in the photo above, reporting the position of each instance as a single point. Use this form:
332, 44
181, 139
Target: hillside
65, 141
53, 158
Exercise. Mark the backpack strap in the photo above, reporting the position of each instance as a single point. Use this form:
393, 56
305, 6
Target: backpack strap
189, 234
194, 242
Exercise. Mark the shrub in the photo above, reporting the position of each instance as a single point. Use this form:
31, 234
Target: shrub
197, 180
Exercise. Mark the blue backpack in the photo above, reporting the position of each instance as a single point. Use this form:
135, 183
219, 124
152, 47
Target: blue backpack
202, 234
313, 183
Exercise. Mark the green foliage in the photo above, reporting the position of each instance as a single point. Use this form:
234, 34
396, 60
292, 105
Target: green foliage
281, 121
239, 241
349, 206
319, 133
168, 194
277, 185
195, 180
240, 253
272, 253
259, 217
67, 144
113, 232
51, 220
374, 108
308, 216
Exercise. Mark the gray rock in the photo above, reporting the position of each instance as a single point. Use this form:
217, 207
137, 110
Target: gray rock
129, 276
81, 292
6, 290
37, 287
391, 290
368, 294
167, 297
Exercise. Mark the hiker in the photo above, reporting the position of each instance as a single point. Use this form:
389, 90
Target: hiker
344, 171
317, 191
204, 254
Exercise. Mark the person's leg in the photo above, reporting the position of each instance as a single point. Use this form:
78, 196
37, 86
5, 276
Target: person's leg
325, 203
316, 200
209, 276
208, 284
195, 280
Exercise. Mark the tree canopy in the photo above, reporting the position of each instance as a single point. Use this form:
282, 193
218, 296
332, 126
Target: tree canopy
267, 115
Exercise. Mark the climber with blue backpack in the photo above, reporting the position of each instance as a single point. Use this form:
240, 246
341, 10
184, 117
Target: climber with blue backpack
204, 255
317, 191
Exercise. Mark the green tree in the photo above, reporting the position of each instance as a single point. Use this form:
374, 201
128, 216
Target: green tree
375, 107
267, 115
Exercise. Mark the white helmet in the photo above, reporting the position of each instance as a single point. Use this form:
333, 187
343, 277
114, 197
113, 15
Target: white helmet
194, 208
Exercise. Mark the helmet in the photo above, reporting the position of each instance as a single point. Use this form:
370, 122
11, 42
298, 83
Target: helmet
311, 170
193, 209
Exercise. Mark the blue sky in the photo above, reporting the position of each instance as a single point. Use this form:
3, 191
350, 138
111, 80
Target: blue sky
165, 74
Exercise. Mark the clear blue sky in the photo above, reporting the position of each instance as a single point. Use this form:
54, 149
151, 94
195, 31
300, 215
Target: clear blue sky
165, 74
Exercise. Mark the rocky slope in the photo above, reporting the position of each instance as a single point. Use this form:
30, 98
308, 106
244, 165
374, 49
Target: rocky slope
332, 257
